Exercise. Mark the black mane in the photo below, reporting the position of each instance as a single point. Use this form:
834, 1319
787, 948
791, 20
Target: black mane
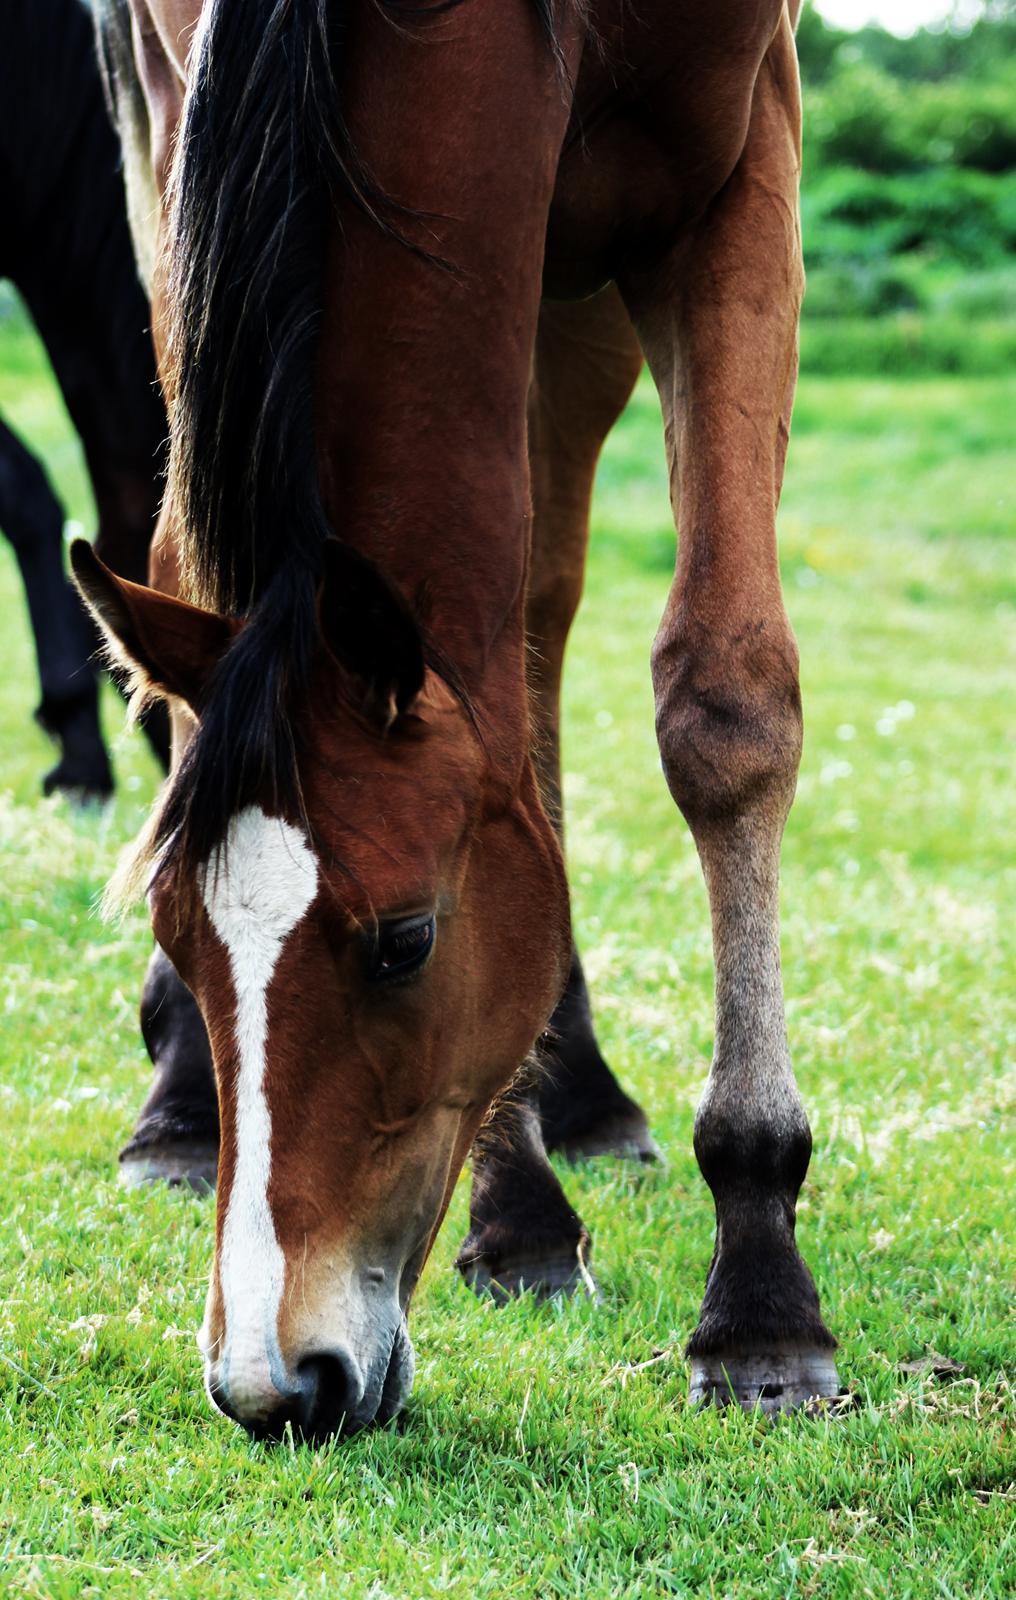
264, 149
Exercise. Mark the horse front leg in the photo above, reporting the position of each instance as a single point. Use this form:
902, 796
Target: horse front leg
176, 1136
524, 1235
718, 322
586, 364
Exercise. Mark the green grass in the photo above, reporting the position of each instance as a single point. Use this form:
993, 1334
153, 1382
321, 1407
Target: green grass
551, 1453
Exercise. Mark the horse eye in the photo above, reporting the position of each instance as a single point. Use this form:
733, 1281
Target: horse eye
400, 948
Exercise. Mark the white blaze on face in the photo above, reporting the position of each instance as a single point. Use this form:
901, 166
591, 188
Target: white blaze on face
256, 890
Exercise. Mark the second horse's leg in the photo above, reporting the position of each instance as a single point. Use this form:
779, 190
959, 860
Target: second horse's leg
176, 1138
31, 516
587, 360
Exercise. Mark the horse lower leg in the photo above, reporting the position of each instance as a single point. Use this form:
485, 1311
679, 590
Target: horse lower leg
523, 1233
587, 361
176, 1139
718, 321
760, 1330
32, 519
729, 725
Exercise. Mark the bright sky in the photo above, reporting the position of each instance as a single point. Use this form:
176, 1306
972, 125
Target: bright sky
902, 16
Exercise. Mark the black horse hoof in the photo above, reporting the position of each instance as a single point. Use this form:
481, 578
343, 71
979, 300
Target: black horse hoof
773, 1378
80, 787
179, 1165
545, 1274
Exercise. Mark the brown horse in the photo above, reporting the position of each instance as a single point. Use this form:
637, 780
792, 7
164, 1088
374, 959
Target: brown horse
406, 261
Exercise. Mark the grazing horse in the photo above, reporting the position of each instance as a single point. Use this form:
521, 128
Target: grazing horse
65, 244
407, 261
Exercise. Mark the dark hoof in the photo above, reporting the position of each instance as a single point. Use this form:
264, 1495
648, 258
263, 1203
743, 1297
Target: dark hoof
778, 1377
544, 1276
623, 1134
78, 790
180, 1165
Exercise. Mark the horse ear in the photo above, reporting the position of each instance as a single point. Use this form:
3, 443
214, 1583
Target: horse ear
167, 645
370, 630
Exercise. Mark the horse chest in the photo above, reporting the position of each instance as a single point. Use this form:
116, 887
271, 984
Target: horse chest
658, 123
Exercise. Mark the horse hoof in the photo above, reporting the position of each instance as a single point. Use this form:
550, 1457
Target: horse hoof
778, 1377
179, 1166
82, 795
545, 1277
624, 1135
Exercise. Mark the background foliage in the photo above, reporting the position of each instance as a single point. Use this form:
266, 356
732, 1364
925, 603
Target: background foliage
909, 197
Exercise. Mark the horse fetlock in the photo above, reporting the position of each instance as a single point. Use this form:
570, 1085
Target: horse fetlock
583, 1110
83, 772
762, 1155
623, 1134
759, 1288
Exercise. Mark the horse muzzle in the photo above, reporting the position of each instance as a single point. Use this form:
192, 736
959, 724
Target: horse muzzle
330, 1389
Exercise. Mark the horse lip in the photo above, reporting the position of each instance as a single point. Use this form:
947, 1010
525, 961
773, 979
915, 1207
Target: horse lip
398, 1379
382, 1399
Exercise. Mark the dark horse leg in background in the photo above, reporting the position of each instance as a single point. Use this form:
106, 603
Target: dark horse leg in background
176, 1138
119, 419
66, 245
32, 518
717, 319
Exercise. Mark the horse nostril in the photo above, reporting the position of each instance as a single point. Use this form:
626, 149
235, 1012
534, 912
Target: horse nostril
267, 1423
331, 1389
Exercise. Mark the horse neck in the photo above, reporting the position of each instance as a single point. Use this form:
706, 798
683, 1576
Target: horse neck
424, 370
422, 447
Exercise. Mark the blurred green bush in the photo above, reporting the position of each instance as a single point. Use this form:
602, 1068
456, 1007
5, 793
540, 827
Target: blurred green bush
909, 196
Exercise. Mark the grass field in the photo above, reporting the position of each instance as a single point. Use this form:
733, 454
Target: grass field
550, 1452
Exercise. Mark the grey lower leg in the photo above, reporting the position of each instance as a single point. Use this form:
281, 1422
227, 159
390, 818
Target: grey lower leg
760, 1334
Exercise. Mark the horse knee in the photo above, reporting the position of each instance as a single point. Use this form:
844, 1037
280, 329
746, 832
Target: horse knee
728, 718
